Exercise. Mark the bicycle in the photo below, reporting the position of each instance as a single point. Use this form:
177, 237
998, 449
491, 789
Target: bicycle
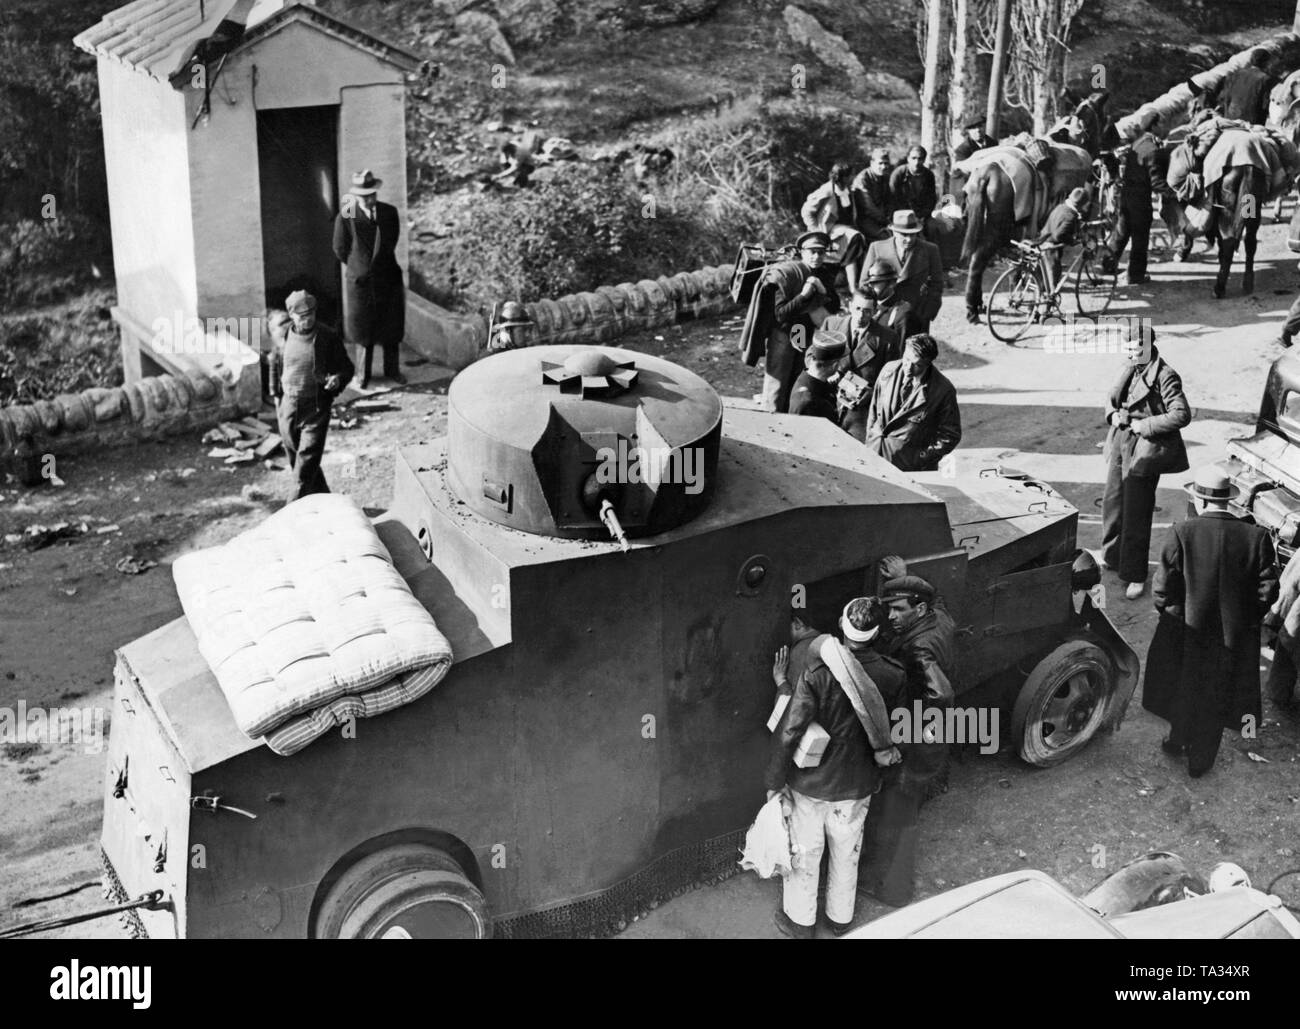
1020, 296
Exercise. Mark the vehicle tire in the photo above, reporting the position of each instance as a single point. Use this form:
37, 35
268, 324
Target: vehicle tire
409, 891
1062, 703
1013, 303
1093, 286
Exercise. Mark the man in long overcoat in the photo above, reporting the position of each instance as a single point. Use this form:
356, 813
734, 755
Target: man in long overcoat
913, 420
918, 267
374, 299
1217, 578
1144, 410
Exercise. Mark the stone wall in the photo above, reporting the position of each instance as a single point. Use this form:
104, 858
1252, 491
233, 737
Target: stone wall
156, 406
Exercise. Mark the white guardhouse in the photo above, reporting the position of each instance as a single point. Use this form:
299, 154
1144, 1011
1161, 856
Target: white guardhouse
231, 128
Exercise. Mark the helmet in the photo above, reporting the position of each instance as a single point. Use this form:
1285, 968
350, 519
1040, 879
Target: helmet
513, 314
881, 271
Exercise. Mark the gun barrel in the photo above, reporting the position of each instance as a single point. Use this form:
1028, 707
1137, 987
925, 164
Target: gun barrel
615, 527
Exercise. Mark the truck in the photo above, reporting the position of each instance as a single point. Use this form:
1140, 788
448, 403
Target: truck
598, 743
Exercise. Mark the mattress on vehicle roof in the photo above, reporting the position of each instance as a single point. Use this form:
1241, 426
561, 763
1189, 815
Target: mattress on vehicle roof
305, 623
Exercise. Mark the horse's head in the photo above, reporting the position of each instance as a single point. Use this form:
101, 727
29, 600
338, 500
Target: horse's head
1284, 104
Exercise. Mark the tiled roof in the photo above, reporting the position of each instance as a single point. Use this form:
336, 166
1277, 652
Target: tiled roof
154, 36
158, 37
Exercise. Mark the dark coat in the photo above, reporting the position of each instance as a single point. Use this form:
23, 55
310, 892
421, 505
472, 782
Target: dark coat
330, 357
918, 193
1217, 578
812, 396
374, 300
876, 200
1160, 401
1062, 226
913, 434
847, 770
928, 651
1244, 95
920, 282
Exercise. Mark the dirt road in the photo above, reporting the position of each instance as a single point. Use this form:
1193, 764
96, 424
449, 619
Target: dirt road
63, 610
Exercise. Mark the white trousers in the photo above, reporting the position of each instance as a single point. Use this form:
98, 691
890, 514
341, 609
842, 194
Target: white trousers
815, 824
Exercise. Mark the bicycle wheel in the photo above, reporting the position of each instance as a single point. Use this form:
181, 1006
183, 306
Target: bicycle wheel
1013, 303
1093, 285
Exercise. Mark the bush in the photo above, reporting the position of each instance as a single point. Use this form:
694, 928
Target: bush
45, 261
735, 179
43, 355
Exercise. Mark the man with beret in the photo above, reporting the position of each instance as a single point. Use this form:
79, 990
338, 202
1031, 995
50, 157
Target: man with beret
913, 420
843, 689
814, 394
801, 299
1217, 578
314, 370
918, 268
374, 299
925, 644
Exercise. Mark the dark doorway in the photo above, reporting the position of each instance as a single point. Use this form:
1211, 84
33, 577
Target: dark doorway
297, 161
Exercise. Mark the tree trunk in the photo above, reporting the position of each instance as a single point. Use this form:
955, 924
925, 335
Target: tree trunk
1172, 106
966, 89
934, 93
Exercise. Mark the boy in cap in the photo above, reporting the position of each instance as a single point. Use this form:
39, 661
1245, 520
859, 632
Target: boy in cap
1060, 231
315, 370
374, 299
813, 393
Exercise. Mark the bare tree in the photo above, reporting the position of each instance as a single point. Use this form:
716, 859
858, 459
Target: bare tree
967, 89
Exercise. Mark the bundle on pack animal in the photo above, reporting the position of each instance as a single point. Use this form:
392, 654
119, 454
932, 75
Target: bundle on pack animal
1008, 193
1284, 116
1243, 170
1089, 126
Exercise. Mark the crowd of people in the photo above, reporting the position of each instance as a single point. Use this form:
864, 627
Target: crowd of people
1216, 587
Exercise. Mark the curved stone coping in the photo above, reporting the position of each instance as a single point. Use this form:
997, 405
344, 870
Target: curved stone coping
156, 406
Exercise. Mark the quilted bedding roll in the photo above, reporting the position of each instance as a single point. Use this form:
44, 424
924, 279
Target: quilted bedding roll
306, 623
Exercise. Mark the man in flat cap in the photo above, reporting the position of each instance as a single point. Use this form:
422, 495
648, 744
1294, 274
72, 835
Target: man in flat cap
1061, 230
925, 644
918, 267
914, 420
973, 141
374, 299
814, 394
800, 299
314, 370
1217, 577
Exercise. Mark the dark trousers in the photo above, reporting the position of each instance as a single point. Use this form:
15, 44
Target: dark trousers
391, 364
304, 421
1134, 223
1283, 673
888, 864
1127, 507
1198, 719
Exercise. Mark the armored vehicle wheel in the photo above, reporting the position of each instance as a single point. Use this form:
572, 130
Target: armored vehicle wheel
409, 891
1062, 703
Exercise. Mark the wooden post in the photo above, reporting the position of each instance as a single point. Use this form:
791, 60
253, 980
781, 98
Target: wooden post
1000, 43
934, 93
1295, 24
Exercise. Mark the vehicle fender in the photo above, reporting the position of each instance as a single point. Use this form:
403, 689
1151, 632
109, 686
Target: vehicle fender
1148, 881
1128, 667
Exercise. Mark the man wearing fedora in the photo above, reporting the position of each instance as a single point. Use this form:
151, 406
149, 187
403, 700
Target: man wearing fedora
1217, 578
917, 266
374, 300
800, 299
1145, 410
313, 369
814, 394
